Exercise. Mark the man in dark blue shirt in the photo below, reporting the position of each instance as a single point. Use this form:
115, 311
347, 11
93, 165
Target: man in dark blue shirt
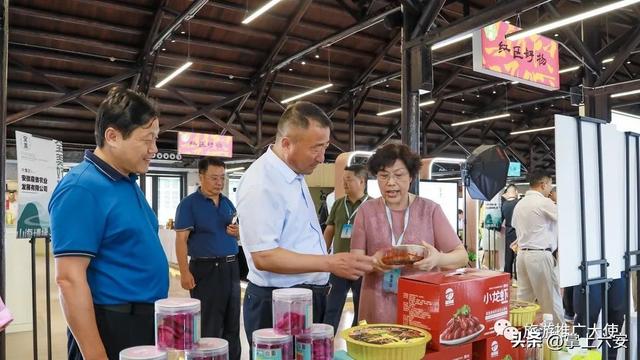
110, 266
206, 230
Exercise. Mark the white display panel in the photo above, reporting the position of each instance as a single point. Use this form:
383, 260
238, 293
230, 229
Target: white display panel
568, 177
443, 193
372, 189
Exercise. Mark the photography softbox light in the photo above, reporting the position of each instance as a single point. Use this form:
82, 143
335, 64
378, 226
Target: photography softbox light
486, 172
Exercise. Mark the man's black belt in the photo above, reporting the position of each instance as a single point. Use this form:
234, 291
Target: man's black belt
228, 258
547, 249
131, 308
266, 291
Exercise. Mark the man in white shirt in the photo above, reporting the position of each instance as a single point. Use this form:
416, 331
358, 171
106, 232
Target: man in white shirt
280, 232
535, 219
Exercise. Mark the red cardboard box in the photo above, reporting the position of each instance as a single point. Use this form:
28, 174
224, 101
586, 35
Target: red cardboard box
495, 348
460, 352
456, 307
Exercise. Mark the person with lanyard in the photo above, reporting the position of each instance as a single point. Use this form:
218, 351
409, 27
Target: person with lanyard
338, 237
110, 265
207, 232
399, 217
280, 232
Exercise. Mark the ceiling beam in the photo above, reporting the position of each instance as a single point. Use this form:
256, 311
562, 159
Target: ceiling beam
13, 118
588, 56
146, 64
330, 40
500, 11
365, 74
236, 134
186, 15
56, 86
630, 43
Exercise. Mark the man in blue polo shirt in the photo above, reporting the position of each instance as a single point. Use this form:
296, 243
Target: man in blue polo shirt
206, 231
110, 266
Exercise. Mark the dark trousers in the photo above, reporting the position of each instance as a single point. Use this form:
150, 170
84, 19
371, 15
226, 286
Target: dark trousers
119, 331
615, 312
509, 258
567, 301
336, 299
218, 289
257, 307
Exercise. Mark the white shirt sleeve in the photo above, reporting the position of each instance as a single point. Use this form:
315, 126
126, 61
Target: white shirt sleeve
262, 216
550, 210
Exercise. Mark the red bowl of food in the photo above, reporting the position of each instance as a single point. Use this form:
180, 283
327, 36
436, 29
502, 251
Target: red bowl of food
403, 254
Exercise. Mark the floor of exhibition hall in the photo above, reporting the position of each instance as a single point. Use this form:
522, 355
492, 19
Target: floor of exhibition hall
20, 344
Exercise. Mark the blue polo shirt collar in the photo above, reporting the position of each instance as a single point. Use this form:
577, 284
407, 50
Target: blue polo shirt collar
282, 167
105, 168
201, 194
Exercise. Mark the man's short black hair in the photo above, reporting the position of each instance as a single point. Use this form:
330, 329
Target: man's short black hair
388, 154
300, 114
460, 212
358, 170
204, 163
124, 110
538, 177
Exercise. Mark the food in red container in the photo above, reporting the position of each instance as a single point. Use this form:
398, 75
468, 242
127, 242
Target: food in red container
403, 255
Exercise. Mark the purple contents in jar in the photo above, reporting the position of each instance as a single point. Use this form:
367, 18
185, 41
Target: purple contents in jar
269, 345
317, 345
291, 323
177, 323
176, 332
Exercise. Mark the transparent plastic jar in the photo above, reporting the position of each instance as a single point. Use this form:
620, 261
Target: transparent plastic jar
317, 345
209, 349
269, 345
146, 352
177, 323
292, 311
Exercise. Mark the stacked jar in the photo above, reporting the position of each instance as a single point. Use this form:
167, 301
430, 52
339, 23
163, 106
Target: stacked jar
177, 323
209, 349
267, 344
317, 344
146, 352
292, 311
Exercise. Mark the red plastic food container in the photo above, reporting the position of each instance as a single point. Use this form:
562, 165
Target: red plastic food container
460, 352
456, 307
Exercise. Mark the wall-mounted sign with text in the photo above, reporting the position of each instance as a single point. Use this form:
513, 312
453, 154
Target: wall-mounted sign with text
533, 60
190, 143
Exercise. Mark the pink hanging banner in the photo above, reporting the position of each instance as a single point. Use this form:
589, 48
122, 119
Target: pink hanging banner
190, 143
533, 60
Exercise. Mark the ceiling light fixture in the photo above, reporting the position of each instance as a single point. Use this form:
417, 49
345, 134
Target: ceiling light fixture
515, 82
493, 117
452, 40
569, 69
396, 110
306, 93
607, 60
232, 170
626, 93
260, 11
570, 20
174, 74
532, 130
